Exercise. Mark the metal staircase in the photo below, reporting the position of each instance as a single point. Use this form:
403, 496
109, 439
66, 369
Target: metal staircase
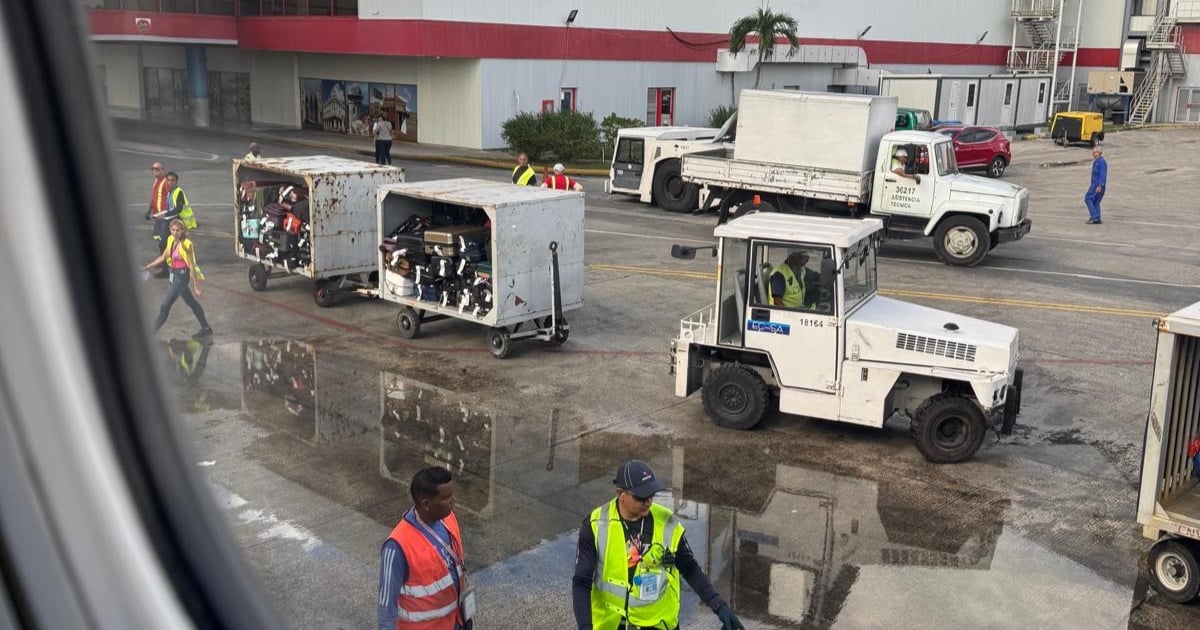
1166, 62
1043, 36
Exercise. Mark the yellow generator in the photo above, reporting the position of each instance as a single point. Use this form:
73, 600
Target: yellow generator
1069, 127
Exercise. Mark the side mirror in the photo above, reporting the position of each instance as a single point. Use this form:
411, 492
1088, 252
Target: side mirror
683, 252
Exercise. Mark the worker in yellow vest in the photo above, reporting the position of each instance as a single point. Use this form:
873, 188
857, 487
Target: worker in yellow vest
523, 174
793, 284
629, 559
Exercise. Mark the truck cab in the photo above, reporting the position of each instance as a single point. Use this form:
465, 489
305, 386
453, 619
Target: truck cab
646, 164
917, 183
797, 313
910, 119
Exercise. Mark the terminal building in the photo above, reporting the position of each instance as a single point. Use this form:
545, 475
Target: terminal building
450, 73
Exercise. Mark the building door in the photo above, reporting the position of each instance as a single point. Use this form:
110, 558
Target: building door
968, 115
229, 95
1187, 105
1006, 106
660, 106
952, 112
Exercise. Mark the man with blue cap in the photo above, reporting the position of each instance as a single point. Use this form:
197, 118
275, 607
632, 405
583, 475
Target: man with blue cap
629, 559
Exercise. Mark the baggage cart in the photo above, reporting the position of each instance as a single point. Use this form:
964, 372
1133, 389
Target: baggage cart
530, 274
337, 246
1169, 499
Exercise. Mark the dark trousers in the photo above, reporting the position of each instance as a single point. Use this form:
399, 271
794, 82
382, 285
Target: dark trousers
383, 151
180, 287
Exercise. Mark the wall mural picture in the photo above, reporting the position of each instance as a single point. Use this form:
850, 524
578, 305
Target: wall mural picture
350, 106
310, 104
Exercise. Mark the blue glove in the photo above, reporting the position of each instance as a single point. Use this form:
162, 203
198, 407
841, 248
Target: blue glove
729, 621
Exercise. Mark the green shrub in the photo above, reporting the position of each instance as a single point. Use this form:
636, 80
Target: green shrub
526, 133
572, 135
564, 135
719, 114
609, 127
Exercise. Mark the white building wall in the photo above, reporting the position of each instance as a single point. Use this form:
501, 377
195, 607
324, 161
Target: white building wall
274, 88
916, 20
449, 102
122, 74
607, 87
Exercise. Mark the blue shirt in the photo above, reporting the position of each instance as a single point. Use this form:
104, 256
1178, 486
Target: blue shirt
393, 569
1099, 173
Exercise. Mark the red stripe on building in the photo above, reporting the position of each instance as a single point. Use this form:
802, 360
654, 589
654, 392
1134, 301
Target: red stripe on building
1189, 38
124, 24
472, 40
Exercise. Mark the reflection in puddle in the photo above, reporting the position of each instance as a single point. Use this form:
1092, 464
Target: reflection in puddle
423, 425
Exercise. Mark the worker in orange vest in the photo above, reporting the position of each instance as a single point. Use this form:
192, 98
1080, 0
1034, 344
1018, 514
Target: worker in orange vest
422, 578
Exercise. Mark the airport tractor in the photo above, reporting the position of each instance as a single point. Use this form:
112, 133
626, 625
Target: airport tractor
835, 349
838, 155
646, 164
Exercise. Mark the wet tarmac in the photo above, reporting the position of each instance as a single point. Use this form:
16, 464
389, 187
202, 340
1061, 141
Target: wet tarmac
309, 423
320, 437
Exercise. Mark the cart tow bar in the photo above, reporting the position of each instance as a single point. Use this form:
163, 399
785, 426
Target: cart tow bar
559, 325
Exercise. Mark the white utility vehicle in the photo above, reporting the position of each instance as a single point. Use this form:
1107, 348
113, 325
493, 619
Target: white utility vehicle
809, 152
839, 352
646, 164
1169, 501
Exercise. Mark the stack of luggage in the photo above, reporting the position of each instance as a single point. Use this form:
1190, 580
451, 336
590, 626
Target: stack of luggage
444, 258
273, 229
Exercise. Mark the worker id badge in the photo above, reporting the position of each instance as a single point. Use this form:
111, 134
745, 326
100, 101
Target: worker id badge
649, 586
466, 602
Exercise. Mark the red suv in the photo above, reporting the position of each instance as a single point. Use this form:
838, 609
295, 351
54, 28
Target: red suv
979, 147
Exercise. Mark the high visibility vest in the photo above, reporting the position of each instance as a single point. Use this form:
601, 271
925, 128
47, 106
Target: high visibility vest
428, 599
186, 251
523, 177
180, 202
158, 195
559, 182
656, 606
793, 294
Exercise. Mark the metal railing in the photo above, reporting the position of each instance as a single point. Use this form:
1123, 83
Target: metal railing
1035, 8
1031, 59
700, 327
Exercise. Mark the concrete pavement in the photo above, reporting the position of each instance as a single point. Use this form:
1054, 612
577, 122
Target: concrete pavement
309, 422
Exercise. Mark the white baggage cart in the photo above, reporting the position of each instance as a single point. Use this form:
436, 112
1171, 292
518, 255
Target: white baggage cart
534, 249
1169, 501
341, 237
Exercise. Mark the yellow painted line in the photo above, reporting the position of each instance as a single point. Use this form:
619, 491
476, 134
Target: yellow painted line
1047, 306
948, 297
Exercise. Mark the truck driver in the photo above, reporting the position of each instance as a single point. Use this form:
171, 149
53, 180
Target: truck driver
793, 285
899, 162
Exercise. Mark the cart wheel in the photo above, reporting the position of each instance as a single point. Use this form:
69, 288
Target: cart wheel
499, 342
409, 322
1173, 570
258, 277
324, 293
561, 336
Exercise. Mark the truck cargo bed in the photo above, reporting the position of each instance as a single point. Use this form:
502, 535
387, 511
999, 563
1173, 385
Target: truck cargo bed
718, 168
1185, 508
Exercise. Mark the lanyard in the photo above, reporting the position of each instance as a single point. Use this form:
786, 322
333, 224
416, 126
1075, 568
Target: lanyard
455, 557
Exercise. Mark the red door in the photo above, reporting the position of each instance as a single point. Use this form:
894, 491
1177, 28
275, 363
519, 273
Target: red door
660, 106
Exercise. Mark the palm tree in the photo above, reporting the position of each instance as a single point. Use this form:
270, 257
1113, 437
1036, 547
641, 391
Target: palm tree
767, 26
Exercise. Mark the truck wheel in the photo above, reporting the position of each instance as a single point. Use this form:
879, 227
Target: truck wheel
409, 322
961, 241
671, 192
735, 397
1173, 570
258, 277
996, 167
948, 428
1095, 140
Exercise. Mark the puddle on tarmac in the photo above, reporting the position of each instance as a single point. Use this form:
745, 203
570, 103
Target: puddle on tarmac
788, 542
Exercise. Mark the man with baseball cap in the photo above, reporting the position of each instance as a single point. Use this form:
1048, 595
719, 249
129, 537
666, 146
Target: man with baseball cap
560, 181
630, 556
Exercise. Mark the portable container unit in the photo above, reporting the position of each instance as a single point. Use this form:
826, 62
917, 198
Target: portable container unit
341, 230
837, 132
1007, 101
1169, 500
534, 258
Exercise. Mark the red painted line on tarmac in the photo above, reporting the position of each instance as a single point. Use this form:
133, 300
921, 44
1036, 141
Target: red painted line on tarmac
397, 343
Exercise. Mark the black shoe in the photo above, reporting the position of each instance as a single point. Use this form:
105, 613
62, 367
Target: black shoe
204, 333
1093, 221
